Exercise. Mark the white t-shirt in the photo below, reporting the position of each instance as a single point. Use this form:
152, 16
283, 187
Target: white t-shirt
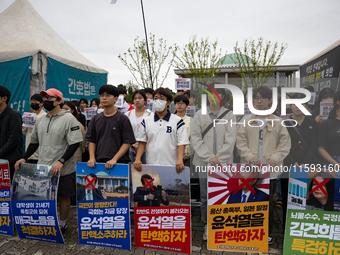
162, 137
261, 125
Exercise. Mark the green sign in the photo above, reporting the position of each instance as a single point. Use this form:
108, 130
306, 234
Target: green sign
312, 232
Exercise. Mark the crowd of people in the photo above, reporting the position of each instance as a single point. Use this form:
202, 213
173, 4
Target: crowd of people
165, 135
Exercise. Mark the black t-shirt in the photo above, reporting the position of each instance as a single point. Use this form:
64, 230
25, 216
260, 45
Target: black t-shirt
329, 136
299, 152
109, 134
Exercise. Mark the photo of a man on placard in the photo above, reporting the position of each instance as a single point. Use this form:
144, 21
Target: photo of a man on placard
248, 193
89, 192
150, 195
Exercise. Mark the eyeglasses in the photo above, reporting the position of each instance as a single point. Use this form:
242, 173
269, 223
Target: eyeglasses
260, 98
105, 95
47, 97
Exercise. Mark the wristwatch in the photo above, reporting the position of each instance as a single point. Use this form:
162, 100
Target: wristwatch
61, 160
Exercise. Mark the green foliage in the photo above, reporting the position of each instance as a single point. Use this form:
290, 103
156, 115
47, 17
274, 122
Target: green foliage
198, 59
136, 60
257, 60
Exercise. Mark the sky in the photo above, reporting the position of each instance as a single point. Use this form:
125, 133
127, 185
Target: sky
101, 31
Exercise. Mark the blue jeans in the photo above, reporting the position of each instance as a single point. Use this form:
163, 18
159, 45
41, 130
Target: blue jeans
204, 192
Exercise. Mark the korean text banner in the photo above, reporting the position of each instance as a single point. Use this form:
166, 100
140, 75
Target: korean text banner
103, 206
72, 82
162, 208
312, 232
313, 212
238, 208
34, 203
15, 76
6, 222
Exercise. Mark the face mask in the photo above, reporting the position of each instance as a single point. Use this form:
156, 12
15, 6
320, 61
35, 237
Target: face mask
48, 105
159, 105
99, 111
35, 106
327, 100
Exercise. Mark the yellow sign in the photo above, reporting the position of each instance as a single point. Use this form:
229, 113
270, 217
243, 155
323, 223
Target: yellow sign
238, 227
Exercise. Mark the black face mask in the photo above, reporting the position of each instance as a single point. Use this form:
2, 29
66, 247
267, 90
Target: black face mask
35, 106
48, 105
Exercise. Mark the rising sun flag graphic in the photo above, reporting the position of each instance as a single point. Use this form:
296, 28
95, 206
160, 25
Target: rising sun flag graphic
222, 183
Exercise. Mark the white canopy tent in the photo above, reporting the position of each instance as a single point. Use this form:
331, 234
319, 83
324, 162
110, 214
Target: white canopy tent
23, 33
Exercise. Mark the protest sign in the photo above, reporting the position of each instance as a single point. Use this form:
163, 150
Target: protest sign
28, 119
162, 208
190, 111
90, 112
149, 105
238, 208
312, 232
246, 110
120, 102
312, 214
6, 221
103, 206
325, 108
34, 203
312, 98
182, 83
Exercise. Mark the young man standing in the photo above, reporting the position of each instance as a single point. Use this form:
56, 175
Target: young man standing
36, 105
212, 145
261, 140
109, 134
57, 135
10, 131
163, 135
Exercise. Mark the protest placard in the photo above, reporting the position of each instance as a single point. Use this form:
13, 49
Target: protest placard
162, 208
120, 102
325, 108
90, 112
149, 105
190, 111
246, 110
28, 119
238, 208
103, 206
312, 98
6, 221
34, 203
182, 83
313, 212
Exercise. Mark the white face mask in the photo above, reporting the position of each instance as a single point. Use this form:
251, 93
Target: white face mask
327, 100
100, 111
159, 105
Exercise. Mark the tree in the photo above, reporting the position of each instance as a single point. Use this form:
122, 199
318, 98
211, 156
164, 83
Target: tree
198, 59
257, 60
136, 60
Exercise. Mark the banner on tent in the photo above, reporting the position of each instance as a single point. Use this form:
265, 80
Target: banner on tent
34, 203
6, 222
238, 208
103, 206
72, 82
15, 76
162, 208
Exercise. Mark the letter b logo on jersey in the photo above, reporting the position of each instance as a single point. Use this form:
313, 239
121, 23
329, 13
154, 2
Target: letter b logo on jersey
168, 129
